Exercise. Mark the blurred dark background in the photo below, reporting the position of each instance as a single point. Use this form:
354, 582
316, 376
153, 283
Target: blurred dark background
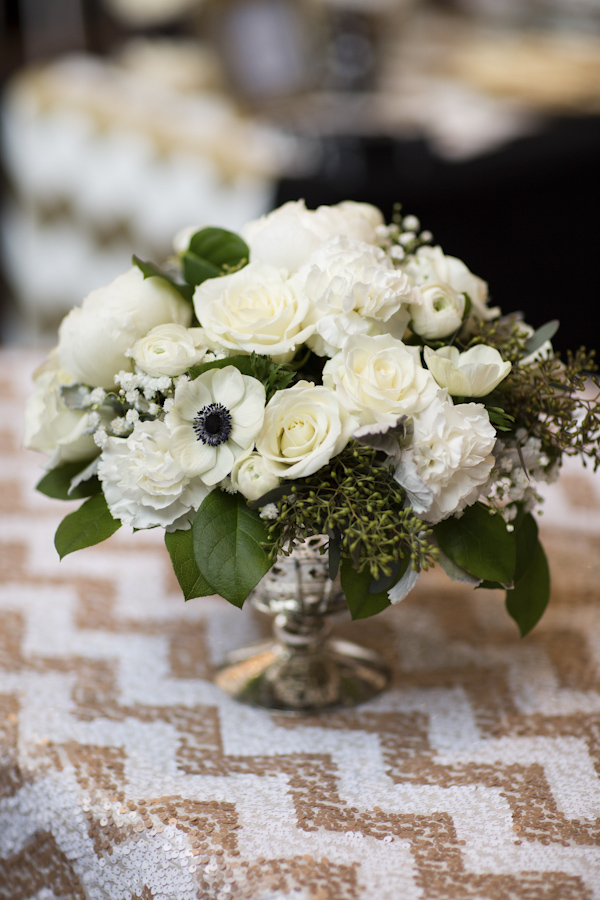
481, 118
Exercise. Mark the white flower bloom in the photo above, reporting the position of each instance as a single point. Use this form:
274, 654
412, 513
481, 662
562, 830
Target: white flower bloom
214, 420
257, 309
430, 264
143, 484
379, 379
169, 350
440, 311
95, 337
51, 427
474, 373
451, 452
286, 237
305, 426
251, 477
354, 288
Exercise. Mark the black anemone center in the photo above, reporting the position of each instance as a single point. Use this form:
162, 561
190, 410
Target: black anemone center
212, 424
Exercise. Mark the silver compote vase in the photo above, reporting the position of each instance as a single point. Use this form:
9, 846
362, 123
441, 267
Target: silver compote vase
303, 669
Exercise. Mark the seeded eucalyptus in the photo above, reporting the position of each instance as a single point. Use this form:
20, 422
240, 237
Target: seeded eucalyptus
355, 500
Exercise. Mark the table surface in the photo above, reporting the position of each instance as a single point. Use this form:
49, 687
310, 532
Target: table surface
125, 773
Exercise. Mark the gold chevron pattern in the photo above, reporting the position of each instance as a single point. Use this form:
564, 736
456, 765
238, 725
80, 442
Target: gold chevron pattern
126, 775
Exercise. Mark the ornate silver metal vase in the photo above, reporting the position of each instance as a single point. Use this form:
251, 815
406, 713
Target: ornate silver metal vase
302, 669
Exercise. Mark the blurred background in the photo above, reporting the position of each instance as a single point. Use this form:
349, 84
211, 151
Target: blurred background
123, 121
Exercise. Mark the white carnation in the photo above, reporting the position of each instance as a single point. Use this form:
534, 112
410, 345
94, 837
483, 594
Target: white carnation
452, 455
94, 338
257, 309
354, 288
143, 484
379, 379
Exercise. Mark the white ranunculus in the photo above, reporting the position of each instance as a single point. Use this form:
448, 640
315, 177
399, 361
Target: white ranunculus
354, 289
169, 350
143, 484
474, 373
257, 309
251, 477
430, 264
379, 378
214, 420
439, 313
452, 453
305, 426
95, 337
286, 237
50, 426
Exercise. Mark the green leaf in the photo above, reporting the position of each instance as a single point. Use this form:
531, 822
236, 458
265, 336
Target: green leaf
88, 525
196, 270
479, 543
149, 270
543, 334
243, 363
180, 545
213, 252
529, 598
56, 482
355, 586
222, 248
227, 538
526, 538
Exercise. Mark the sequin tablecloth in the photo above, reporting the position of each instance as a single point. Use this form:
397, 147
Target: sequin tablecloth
124, 772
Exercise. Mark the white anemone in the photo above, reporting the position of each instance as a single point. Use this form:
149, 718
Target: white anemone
214, 420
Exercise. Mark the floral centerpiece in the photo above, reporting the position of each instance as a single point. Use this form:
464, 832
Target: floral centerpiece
322, 373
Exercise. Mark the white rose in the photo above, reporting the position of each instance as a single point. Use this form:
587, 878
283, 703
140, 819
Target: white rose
169, 350
353, 288
305, 426
452, 453
439, 313
286, 237
251, 477
430, 264
95, 337
379, 379
143, 484
257, 309
474, 373
50, 426
214, 420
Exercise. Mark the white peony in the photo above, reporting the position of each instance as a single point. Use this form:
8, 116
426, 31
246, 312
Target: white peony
143, 484
214, 420
439, 313
51, 427
251, 477
430, 264
169, 350
286, 237
257, 309
379, 378
474, 373
95, 337
305, 426
354, 288
451, 454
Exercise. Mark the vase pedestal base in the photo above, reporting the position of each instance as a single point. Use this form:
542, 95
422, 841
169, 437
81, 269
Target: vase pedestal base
336, 675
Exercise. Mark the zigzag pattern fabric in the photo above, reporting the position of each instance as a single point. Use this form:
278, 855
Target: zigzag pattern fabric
125, 773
